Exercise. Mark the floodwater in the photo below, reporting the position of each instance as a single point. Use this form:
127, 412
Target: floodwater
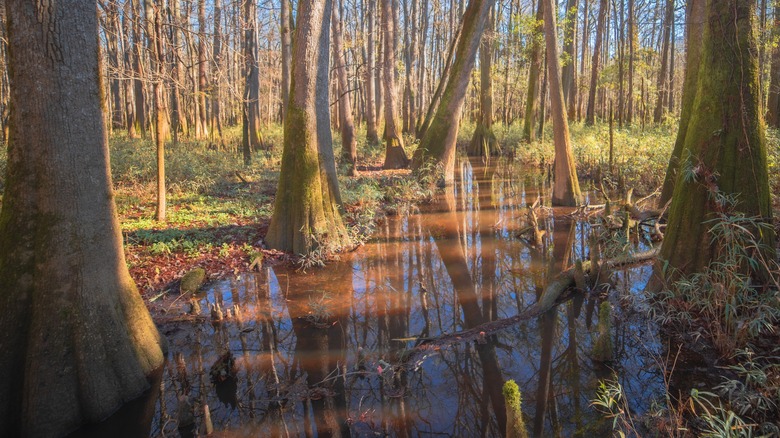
329, 352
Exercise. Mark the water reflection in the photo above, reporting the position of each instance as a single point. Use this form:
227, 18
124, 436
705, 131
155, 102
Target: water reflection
327, 353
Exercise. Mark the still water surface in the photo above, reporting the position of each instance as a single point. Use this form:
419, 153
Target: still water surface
326, 352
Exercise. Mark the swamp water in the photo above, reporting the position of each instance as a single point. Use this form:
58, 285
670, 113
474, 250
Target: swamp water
328, 352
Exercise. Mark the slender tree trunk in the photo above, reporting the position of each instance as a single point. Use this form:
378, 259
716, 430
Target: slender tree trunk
631, 52
395, 156
663, 83
154, 29
216, 88
484, 142
140, 101
306, 210
179, 120
569, 69
348, 139
590, 116
250, 106
201, 124
77, 341
437, 148
534, 73
129, 83
285, 29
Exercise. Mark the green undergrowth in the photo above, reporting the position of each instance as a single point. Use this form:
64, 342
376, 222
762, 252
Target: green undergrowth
640, 156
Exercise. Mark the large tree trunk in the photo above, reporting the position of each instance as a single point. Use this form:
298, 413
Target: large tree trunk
76, 339
437, 147
695, 29
725, 145
484, 142
566, 190
347, 125
306, 211
395, 156
534, 74
590, 115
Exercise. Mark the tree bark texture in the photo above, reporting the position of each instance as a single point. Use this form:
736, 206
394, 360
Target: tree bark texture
437, 147
307, 206
76, 339
695, 29
725, 148
566, 189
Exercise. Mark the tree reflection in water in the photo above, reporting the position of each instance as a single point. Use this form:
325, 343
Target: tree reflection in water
319, 353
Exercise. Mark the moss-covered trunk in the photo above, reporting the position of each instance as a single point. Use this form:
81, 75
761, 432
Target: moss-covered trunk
725, 147
484, 142
307, 206
437, 147
566, 189
694, 32
76, 339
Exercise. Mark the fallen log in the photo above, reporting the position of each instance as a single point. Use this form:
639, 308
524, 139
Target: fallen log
550, 297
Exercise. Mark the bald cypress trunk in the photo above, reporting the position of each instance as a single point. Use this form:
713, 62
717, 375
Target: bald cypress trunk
725, 147
484, 142
437, 147
695, 29
395, 156
566, 190
76, 339
307, 206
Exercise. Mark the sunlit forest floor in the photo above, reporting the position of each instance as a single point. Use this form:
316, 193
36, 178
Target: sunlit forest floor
219, 209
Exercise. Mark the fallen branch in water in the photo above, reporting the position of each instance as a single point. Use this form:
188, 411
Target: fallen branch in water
552, 293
